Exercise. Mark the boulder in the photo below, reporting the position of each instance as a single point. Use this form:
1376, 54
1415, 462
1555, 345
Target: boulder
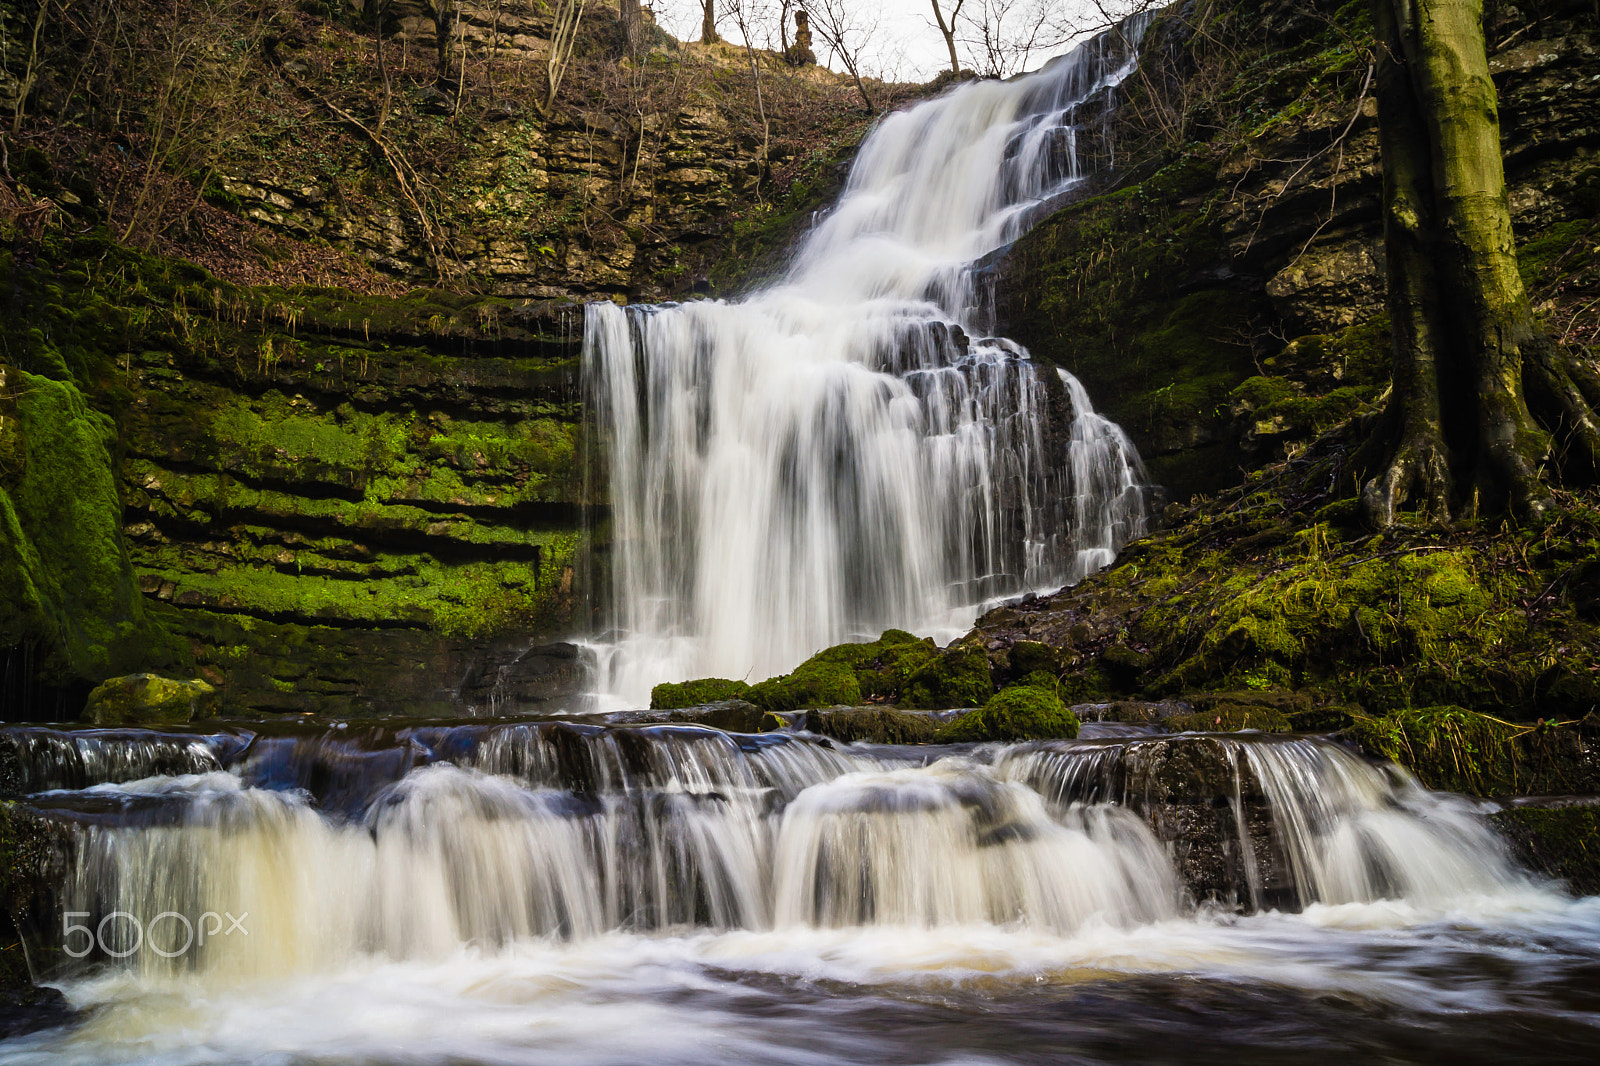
149, 699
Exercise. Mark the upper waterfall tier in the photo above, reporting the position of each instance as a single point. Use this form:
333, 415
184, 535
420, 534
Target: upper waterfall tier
844, 451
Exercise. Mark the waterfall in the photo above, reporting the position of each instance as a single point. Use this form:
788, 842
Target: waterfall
411, 843
848, 450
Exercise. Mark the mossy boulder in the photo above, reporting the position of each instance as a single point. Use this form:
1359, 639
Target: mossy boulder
957, 678
814, 683
1559, 839
672, 696
848, 674
1023, 712
149, 699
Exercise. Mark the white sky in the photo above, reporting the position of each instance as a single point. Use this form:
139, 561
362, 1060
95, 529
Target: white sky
910, 42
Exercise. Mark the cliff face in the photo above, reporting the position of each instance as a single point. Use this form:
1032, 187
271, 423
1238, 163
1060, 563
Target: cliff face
1223, 298
326, 501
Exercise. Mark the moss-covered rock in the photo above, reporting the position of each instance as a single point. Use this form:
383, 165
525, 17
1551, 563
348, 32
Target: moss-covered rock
673, 695
958, 677
1558, 839
67, 588
1023, 712
147, 699
814, 683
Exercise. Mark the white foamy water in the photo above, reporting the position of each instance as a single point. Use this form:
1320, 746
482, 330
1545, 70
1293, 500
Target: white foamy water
575, 894
846, 450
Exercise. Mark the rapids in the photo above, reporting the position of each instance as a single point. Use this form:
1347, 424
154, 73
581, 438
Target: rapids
847, 450
582, 891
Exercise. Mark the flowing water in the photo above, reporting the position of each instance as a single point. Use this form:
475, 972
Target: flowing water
581, 892
847, 450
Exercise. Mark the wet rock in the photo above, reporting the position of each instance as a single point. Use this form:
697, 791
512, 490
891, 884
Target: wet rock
34, 854
1558, 837
534, 675
1132, 712
148, 699
733, 716
874, 725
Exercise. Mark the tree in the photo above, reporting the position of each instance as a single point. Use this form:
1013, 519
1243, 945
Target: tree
1005, 34
847, 32
947, 29
444, 14
563, 39
1472, 365
631, 19
708, 22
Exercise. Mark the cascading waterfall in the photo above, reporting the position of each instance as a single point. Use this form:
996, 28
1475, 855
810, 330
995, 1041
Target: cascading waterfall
411, 843
846, 450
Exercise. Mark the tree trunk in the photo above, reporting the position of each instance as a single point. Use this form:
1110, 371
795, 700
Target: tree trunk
1458, 438
948, 31
708, 22
443, 13
632, 22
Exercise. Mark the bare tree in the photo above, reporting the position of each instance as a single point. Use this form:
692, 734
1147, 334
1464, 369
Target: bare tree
563, 38
743, 12
947, 29
1005, 35
847, 30
708, 22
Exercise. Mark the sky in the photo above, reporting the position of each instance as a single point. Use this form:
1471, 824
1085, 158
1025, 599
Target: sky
907, 42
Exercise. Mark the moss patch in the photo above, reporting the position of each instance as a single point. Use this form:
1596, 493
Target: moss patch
670, 696
1022, 712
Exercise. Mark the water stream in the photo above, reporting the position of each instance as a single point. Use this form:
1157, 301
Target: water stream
582, 891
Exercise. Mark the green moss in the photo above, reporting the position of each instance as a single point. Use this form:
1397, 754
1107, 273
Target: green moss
149, 700
1447, 747
669, 696
1023, 712
815, 683
66, 585
957, 677
1230, 719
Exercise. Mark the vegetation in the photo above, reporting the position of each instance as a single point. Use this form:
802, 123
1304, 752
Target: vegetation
1021, 712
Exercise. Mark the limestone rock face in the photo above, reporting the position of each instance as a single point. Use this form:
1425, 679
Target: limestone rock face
149, 699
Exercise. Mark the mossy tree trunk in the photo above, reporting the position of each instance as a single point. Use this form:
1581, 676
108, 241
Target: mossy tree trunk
1472, 365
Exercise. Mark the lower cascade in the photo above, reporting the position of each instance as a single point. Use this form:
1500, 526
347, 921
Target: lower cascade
417, 842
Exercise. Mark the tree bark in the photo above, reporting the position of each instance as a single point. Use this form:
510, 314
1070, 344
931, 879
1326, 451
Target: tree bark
708, 22
1458, 438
